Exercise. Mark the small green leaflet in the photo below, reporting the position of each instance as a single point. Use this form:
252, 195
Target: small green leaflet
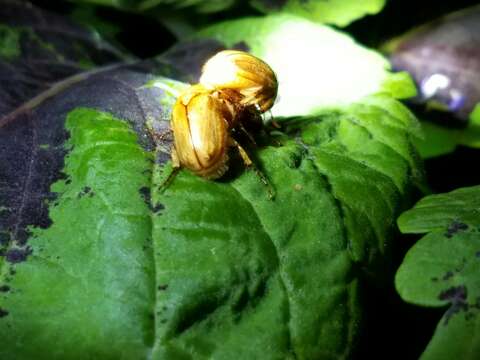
443, 269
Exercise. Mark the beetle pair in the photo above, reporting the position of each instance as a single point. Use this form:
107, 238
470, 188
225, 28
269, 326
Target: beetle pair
233, 84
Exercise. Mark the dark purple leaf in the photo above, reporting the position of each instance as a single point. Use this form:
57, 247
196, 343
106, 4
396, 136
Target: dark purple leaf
444, 59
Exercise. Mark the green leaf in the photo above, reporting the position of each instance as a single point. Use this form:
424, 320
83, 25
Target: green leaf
241, 273
317, 67
440, 140
442, 269
337, 12
91, 271
230, 273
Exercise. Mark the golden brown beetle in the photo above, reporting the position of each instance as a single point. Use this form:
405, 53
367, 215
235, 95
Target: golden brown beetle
205, 114
244, 73
201, 122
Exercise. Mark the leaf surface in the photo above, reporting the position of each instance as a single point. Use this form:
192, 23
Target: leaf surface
339, 180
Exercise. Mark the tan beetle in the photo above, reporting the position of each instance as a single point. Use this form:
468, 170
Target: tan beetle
201, 122
244, 73
205, 114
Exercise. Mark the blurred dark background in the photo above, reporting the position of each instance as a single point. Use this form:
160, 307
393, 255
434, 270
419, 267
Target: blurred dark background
397, 17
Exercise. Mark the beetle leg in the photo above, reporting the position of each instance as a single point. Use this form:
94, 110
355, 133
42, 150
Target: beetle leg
249, 163
175, 161
250, 137
246, 159
175, 169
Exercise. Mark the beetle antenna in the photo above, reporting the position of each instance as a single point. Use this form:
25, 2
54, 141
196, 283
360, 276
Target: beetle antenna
249, 136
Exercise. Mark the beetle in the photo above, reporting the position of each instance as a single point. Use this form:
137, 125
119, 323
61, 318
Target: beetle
201, 122
205, 115
252, 78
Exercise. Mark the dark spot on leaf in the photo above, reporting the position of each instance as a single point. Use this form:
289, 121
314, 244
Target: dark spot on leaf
477, 254
162, 287
85, 191
4, 288
454, 293
3, 313
272, 4
455, 227
145, 192
434, 279
12, 271
448, 275
146, 195
163, 321
158, 207
457, 296
17, 255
